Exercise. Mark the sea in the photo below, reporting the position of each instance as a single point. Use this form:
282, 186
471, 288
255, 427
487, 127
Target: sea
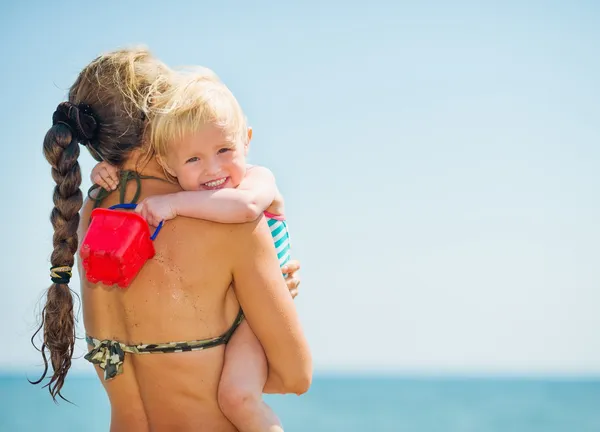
351, 403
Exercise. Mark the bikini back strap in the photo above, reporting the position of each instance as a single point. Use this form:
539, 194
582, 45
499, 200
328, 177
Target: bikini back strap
126, 176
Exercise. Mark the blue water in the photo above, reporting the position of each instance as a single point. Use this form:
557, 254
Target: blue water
352, 404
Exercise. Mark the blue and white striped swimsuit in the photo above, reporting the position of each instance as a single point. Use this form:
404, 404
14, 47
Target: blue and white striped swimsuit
281, 237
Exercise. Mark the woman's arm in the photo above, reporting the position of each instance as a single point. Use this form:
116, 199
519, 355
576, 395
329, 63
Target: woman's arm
269, 309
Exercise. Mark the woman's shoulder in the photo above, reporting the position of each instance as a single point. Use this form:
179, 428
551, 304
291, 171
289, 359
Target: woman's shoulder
230, 241
230, 233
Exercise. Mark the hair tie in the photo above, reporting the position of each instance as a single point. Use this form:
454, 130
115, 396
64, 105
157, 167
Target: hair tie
79, 119
73, 132
60, 274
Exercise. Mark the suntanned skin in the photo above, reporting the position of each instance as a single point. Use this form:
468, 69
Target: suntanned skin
186, 292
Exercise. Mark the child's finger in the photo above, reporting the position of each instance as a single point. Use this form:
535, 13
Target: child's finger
145, 214
97, 179
114, 174
148, 214
151, 219
105, 174
141, 209
102, 180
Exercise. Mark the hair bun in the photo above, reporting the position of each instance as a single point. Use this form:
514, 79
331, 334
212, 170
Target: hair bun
79, 118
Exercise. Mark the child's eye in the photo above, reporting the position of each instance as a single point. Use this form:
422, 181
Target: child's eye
193, 159
223, 150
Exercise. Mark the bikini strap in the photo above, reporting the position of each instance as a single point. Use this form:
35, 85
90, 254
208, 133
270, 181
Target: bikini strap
109, 355
126, 176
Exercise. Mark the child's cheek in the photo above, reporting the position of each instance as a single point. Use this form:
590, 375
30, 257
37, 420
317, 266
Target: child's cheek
238, 170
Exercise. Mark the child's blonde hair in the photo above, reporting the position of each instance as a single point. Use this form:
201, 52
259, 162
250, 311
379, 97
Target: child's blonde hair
185, 102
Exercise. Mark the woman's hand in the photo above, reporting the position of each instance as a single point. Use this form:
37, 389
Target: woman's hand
292, 279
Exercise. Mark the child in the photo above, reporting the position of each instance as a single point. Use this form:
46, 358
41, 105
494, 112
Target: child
200, 137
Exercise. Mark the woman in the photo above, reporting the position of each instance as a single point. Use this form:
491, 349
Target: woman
186, 293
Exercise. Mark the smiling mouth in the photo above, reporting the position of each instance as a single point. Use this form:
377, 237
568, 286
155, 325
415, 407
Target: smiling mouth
215, 184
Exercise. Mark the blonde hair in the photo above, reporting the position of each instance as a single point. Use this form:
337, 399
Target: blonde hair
116, 85
186, 101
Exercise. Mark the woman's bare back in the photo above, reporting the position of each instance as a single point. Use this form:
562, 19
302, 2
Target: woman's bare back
183, 294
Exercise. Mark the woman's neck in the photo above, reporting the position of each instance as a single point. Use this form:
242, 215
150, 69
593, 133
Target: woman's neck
140, 162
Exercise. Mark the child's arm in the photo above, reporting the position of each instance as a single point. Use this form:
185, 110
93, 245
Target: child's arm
245, 203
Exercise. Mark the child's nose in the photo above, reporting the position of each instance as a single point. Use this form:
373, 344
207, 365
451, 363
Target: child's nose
212, 167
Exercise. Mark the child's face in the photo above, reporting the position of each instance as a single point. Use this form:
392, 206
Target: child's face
206, 160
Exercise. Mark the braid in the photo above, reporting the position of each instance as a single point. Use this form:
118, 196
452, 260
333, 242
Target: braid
58, 319
104, 112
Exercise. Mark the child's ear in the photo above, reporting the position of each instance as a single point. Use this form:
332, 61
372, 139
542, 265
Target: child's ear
164, 166
248, 140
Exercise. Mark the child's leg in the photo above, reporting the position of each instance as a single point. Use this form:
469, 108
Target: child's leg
242, 381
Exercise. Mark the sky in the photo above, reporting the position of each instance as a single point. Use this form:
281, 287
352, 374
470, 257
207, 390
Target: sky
438, 159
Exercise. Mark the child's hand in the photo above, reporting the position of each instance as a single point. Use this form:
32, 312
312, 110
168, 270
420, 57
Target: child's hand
157, 209
105, 175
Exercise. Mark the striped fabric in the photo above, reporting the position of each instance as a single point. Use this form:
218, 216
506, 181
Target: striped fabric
281, 238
